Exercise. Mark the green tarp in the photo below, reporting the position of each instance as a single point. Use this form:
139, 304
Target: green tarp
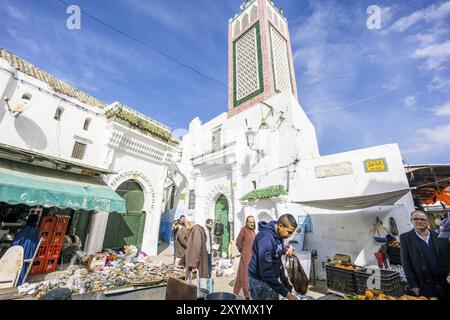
37, 186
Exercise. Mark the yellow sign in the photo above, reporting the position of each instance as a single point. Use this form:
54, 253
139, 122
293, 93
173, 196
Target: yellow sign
182, 196
376, 165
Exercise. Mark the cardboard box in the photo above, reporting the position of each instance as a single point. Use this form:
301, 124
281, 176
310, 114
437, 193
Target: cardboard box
97, 261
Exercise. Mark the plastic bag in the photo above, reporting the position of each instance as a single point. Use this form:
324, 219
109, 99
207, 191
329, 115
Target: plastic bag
297, 275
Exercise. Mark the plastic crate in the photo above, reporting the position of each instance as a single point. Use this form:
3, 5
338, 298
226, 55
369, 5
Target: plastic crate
54, 252
46, 229
42, 252
340, 280
59, 230
47, 224
390, 282
50, 265
394, 255
37, 266
61, 224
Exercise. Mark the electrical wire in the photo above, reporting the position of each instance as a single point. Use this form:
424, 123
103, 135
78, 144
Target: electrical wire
158, 51
383, 92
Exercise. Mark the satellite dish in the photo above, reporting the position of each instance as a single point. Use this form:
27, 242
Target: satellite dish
19, 107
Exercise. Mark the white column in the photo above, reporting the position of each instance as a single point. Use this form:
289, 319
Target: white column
151, 229
97, 230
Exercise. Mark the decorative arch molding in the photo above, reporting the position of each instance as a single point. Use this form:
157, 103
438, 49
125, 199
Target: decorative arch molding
213, 194
114, 181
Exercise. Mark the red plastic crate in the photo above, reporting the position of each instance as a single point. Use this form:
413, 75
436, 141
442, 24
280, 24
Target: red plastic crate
42, 252
61, 224
59, 230
37, 266
47, 224
50, 265
54, 252
46, 229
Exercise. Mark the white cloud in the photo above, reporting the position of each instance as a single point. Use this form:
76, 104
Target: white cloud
14, 12
439, 84
410, 102
432, 13
443, 110
431, 140
435, 53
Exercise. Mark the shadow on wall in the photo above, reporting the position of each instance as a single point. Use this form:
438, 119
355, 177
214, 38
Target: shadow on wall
245, 167
30, 133
2, 110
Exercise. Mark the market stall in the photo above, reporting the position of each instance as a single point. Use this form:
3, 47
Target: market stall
27, 190
109, 275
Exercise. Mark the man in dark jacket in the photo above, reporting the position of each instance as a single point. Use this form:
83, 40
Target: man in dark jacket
445, 234
265, 276
425, 259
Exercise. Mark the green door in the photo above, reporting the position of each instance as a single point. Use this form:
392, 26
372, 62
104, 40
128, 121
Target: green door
127, 229
221, 211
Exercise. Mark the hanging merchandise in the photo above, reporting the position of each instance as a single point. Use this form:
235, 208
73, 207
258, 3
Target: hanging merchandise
380, 232
393, 226
443, 196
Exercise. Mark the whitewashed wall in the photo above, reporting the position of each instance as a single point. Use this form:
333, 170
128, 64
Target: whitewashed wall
37, 130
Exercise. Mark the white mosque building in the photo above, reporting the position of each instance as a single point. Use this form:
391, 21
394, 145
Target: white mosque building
261, 157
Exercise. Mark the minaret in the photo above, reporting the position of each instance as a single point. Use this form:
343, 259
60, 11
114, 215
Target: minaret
260, 56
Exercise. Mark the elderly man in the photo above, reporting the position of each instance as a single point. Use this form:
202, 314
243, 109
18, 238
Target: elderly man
72, 246
181, 241
244, 243
265, 269
425, 259
198, 251
177, 225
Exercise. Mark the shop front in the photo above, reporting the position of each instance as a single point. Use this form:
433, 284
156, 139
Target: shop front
27, 189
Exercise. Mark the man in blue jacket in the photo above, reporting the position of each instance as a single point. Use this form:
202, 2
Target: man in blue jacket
265, 266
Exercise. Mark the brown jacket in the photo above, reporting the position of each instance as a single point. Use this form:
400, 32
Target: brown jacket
181, 242
196, 254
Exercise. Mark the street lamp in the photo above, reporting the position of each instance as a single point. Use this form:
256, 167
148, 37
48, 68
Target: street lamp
250, 135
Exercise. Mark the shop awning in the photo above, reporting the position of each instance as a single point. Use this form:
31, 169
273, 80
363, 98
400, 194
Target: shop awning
361, 202
22, 183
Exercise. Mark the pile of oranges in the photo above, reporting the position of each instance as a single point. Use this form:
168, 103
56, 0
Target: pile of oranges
379, 295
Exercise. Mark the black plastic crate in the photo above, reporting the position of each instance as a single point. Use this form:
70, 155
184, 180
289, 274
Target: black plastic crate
340, 280
390, 282
394, 255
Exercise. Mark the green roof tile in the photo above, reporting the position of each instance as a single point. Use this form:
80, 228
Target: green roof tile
265, 193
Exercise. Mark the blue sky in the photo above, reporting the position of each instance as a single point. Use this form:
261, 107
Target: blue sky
338, 61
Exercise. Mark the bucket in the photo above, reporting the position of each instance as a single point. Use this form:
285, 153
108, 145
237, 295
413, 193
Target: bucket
221, 296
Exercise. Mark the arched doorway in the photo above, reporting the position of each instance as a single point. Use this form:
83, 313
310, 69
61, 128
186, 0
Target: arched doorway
127, 229
221, 214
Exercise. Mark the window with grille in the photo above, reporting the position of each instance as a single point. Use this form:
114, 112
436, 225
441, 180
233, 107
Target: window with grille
191, 199
87, 122
58, 113
79, 150
216, 140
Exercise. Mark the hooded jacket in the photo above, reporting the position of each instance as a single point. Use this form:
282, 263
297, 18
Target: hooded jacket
267, 250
